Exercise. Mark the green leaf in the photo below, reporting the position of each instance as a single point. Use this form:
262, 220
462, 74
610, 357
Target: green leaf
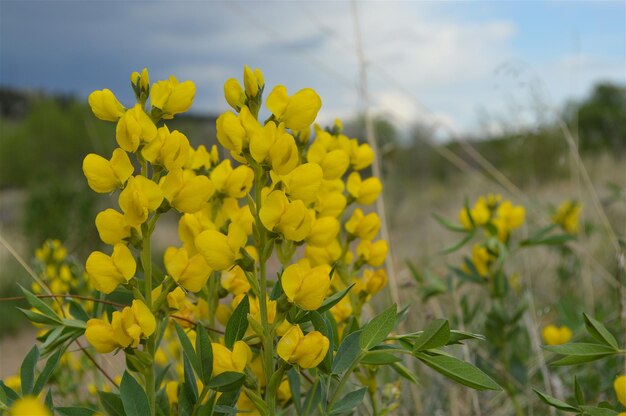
378, 328
459, 371
577, 353
188, 348
238, 323
379, 357
598, 411
227, 381
349, 402
46, 372
599, 332
205, 352
435, 335
294, 385
313, 398
556, 403
457, 336
347, 353
405, 372
40, 305
134, 397
27, 370
552, 240
334, 299
190, 386
39, 318
578, 392
460, 244
74, 411
449, 225
77, 311
111, 403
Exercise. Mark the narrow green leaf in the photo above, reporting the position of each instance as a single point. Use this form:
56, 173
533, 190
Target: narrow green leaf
190, 385
347, 353
449, 225
334, 299
435, 335
576, 353
27, 370
294, 386
598, 411
459, 371
349, 402
405, 372
457, 336
188, 348
460, 244
313, 398
111, 403
46, 372
205, 352
40, 305
378, 328
379, 357
238, 323
77, 311
133, 396
74, 411
599, 332
38, 317
578, 392
227, 381
556, 403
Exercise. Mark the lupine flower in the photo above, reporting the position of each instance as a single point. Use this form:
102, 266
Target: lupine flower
134, 128
553, 335
363, 226
620, 389
112, 227
221, 251
298, 111
305, 286
191, 272
364, 191
227, 360
234, 94
373, 253
235, 183
567, 216
172, 97
168, 149
28, 406
186, 191
140, 197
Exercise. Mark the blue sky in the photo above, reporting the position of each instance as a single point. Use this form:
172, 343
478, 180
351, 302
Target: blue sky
471, 65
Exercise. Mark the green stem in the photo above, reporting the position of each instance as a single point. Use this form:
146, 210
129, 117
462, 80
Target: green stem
146, 261
373, 400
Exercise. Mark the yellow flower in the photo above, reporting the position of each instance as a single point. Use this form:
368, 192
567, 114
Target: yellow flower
141, 84
234, 94
508, 218
361, 155
107, 272
298, 111
334, 163
481, 260
372, 282
283, 154
132, 324
140, 197
28, 406
191, 225
323, 255
292, 219
134, 128
169, 149
104, 176
191, 272
105, 106
230, 132
303, 182
100, 335
13, 382
363, 226
171, 389
227, 360
330, 204
373, 253
480, 214
568, 216
323, 231
235, 281
342, 310
172, 97
112, 227
306, 287
200, 158
364, 191
253, 80
246, 406
620, 389
221, 251
305, 350
553, 335
235, 183
186, 191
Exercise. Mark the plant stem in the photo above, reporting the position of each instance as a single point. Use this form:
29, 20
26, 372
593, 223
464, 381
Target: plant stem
146, 262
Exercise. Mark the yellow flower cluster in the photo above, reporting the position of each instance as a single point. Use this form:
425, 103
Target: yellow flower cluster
567, 216
493, 213
58, 270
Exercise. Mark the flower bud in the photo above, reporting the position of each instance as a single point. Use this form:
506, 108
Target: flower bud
250, 82
141, 84
105, 106
234, 94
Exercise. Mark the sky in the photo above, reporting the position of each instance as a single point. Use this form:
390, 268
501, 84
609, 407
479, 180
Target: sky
472, 66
